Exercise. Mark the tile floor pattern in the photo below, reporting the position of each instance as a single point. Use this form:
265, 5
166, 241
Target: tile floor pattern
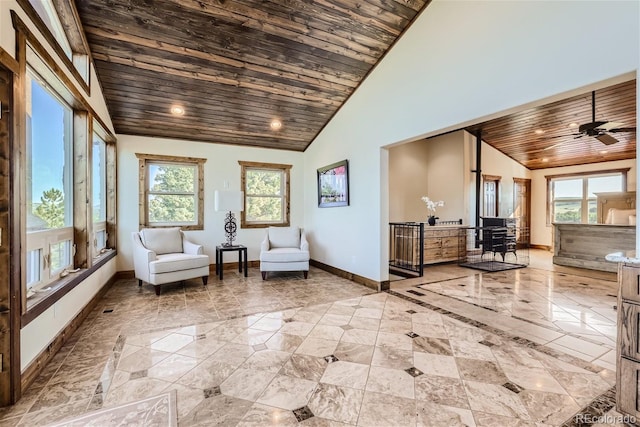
324, 351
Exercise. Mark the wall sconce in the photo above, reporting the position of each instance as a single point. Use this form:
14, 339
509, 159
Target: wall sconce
229, 201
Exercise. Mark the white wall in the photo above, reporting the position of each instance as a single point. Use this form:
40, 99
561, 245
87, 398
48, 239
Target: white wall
461, 62
38, 334
432, 167
541, 232
493, 162
221, 166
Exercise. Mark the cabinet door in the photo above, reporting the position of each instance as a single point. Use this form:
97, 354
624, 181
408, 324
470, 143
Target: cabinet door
629, 320
628, 387
630, 283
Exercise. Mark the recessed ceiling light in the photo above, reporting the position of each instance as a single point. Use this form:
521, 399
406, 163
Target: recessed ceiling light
604, 152
275, 124
573, 125
544, 159
538, 131
177, 110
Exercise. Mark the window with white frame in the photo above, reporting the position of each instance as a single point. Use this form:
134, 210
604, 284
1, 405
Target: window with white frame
572, 198
172, 192
266, 194
49, 183
99, 196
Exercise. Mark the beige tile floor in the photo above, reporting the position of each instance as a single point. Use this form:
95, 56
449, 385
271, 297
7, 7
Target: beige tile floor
326, 351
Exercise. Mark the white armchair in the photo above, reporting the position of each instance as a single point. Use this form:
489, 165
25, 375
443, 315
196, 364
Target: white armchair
284, 249
164, 255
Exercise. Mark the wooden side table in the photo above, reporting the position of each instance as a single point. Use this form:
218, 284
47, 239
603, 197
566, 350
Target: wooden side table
242, 258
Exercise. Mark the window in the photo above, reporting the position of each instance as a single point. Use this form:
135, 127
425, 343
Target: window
266, 194
49, 16
99, 196
171, 191
49, 178
573, 199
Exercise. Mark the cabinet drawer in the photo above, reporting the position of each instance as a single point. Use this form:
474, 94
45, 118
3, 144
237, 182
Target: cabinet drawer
630, 283
628, 327
450, 242
450, 252
432, 243
628, 386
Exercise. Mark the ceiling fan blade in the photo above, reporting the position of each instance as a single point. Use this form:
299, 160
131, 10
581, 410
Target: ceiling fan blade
606, 139
622, 130
590, 126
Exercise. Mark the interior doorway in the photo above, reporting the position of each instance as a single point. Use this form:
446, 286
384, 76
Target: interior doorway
522, 210
491, 195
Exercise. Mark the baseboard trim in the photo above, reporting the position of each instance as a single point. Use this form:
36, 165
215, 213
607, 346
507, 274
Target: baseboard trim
543, 247
377, 286
38, 364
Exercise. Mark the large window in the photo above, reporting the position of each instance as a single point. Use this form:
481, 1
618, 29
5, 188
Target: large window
49, 177
172, 192
573, 197
99, 196
266, 194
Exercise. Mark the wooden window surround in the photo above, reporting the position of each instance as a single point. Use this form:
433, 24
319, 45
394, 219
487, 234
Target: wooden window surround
622, 171
145, 160
284, 195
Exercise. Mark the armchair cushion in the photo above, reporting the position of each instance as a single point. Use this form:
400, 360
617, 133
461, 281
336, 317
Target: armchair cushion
162, 240
284, 255
284, 237
168, 263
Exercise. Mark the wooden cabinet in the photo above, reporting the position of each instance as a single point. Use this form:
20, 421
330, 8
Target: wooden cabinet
442, 244
628, 367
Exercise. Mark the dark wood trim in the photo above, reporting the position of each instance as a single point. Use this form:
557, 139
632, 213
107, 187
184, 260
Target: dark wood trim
9, 62
9, 302
70, 20
50, 38
286, 169
62, 287
377, 286
491, 177
624, 171
34, 369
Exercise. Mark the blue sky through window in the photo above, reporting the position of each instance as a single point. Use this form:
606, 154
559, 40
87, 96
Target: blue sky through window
47, 136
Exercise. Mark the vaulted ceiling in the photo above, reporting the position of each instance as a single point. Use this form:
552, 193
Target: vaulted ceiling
548, 136
236, 66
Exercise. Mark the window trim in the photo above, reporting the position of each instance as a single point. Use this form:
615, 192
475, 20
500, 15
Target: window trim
44, 239
101, 225
80, 49
622, 171
286, 197
143, 161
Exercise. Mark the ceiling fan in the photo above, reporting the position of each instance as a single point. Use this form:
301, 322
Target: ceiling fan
600, 130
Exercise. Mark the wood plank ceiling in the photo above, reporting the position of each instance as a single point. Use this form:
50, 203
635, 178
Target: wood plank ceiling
547, 136
234, 66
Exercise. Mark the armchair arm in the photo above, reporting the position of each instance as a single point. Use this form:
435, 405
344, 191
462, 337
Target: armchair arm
141, 258
191, 248
264, 246
304, 244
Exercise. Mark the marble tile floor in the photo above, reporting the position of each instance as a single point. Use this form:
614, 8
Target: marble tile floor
324, 351
570, 312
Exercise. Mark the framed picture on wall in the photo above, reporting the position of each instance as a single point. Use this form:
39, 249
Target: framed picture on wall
333, 185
